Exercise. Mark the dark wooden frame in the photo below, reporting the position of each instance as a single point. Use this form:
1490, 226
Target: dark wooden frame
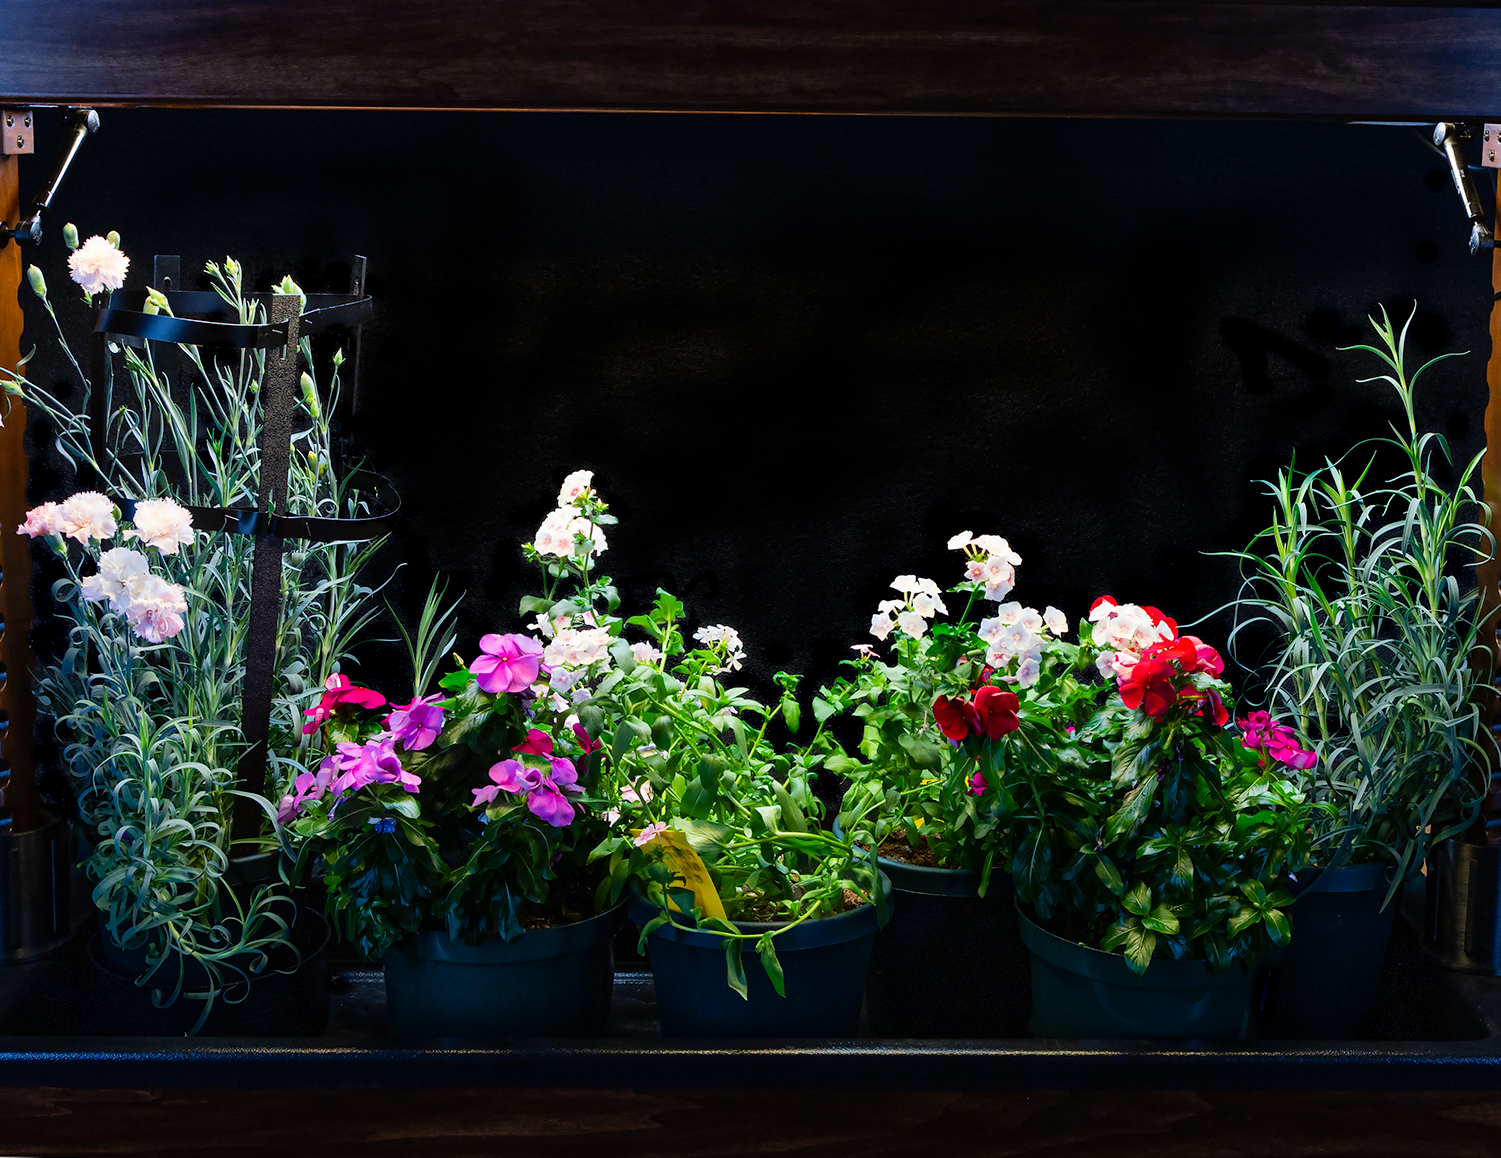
1098, 58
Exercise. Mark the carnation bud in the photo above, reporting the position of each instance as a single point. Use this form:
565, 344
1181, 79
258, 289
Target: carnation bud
338, 357
310, 396
38, 282
156, 302
70, 235
113, 237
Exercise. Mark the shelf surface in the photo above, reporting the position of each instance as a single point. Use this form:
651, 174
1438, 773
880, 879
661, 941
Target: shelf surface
953, 57
1436, 1029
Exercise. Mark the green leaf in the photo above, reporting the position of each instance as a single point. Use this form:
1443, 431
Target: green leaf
455, 681
531, 604
734, 969
791, 712
624, 657
1141, 943
648, 929
1138, 900
1281, 931
1162, 920
769, 962
792, 816
1134, 810
1105, 869
705, 837
1242, 921
822, 709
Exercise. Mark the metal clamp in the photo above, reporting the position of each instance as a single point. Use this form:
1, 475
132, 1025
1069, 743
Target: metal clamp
81, 122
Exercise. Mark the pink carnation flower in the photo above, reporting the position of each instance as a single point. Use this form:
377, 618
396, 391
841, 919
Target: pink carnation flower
97, 265
43, 520
87, 515
155, 609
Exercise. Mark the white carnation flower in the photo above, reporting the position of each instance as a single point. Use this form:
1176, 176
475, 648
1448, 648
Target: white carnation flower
87, 515
121, 571
162, 524
97, 265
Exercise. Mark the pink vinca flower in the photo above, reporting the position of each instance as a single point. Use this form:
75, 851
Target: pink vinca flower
97, 265
416, 725
307, 788
510, 663
548, 801
507, 776
374, 762
650, 833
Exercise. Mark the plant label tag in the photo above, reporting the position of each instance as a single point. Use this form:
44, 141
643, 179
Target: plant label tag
678, 856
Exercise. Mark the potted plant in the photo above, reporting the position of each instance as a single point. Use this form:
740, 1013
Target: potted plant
145, 700
1355, 591
1151, 846
719, 844
951, 962
452, 834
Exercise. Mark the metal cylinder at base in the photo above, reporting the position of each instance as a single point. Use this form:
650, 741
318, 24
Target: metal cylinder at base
1462, 906
35, 867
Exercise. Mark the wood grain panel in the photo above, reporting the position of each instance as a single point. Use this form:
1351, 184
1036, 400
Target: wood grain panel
15, 557
809, 1124
1002, 57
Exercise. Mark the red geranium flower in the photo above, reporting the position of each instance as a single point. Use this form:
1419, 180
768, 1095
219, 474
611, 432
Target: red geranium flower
992, 713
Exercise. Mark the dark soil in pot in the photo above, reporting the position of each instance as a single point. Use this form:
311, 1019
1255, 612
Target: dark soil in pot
1079, 992
949, 963
550, 982
1325, 984
824, 963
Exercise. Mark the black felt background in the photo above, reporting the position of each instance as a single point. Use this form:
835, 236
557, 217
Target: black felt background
799, 353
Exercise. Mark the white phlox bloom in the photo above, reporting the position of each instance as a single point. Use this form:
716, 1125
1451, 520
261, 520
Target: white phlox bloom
912, 623
997, 548
974, 570
646, 653
906, 584
554, 536
575, 487
928, 605
1028, 671
990, 630
1055, 620
1031, 619
120, 573
574, 647
87, 515
162, 524
592, 533
1017, 638
891, 605
960, 541
1105, 664
1008, 613
726, 638
881, 624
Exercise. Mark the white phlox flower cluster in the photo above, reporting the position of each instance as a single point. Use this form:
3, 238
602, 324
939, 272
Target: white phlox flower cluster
574, 647
726, 642
1122, 631
646, 653
152, 606
991, 562
1018, 633
562, 530
921, 600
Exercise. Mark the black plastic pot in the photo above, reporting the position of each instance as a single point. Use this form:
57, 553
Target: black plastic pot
272, 1004
1325, 983
547, 983
1083, 992
949, 963
823, 967
1462, 906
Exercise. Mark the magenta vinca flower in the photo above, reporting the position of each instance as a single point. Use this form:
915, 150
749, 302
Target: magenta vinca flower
507, 776
510, 663
338, 692
545, 792
307, 788
537, 743
417, 724
374, 762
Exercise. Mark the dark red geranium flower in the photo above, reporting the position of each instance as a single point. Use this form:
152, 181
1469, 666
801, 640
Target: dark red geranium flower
992, 713
588, 745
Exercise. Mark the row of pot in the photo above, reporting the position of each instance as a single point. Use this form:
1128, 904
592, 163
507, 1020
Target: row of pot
950, 964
